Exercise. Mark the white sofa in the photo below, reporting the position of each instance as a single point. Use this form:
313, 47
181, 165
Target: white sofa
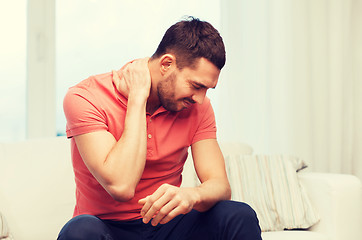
37, 193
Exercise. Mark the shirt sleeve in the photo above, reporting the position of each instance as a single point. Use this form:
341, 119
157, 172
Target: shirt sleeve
82, 113
207, 125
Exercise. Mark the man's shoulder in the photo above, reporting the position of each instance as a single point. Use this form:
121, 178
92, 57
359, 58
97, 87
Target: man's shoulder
93, 83
98, 92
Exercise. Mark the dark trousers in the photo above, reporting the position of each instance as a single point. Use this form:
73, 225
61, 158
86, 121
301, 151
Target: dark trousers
227, 220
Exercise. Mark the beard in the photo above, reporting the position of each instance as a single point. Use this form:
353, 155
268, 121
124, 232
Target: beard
166, 94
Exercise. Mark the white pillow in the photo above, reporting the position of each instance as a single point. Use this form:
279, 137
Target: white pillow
4, 230
270, 185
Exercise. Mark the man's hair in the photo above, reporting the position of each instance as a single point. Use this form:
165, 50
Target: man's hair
190, 40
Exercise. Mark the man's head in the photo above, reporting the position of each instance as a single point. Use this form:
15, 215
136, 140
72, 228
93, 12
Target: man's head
186, 64
179, 89
190, 40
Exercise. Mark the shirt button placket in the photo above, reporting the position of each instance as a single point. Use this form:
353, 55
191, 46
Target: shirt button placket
149, 138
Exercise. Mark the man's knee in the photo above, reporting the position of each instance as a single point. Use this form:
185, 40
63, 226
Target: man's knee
84, 227
238, 217
234, 209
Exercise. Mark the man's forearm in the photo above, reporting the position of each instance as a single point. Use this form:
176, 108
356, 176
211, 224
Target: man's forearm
210, 192
169, 201
126, 160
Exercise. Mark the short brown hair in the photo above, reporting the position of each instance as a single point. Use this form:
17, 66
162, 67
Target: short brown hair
191, 39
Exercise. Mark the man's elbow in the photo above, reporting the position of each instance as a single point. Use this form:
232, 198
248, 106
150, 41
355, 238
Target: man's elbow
121, 193
227, 192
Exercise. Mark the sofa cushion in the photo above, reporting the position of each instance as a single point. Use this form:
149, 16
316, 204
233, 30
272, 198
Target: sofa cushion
293, 235
269, 184
36, 187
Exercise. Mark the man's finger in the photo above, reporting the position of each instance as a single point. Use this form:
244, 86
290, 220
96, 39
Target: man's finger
153, 206
116, 76
171, 215
142, 201
149, 200
164, 212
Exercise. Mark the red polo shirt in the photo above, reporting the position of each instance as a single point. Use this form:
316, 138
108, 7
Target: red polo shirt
95, 105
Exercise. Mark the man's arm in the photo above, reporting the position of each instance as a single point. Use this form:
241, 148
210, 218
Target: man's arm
118, 165
168, 201
210, 168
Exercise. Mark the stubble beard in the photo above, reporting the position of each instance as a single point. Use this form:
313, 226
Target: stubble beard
166, 94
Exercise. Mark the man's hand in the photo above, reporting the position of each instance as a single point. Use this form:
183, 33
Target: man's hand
166, 203
136, 79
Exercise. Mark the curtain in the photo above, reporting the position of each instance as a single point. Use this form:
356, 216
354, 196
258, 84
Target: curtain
292, 83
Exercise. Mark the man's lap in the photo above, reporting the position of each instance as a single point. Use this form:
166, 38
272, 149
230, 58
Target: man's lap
226, 220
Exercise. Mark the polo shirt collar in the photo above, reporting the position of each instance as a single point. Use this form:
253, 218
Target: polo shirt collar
124, 100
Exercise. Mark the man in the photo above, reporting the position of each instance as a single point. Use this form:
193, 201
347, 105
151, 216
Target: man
130, 131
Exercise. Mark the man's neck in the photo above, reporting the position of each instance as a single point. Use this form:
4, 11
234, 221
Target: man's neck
153, 102
151, 106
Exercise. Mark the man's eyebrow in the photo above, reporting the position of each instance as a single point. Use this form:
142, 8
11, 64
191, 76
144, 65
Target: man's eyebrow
202, 85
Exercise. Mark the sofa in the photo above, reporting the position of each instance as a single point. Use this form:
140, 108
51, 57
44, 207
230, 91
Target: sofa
37, 193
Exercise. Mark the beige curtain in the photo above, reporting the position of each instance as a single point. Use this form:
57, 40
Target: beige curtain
293, 80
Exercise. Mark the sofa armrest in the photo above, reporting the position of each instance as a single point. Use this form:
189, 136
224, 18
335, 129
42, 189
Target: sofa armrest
338, 199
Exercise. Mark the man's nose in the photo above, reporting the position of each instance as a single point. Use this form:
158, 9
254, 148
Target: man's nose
199, 96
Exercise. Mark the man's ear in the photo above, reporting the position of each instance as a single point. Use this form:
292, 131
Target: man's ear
167, 62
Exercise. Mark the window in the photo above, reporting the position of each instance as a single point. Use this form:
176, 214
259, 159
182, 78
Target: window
13, 70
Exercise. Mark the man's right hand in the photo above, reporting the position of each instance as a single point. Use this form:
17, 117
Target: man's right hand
136, 79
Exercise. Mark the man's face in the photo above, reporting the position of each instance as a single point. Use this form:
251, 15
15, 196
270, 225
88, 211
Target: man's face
182, 88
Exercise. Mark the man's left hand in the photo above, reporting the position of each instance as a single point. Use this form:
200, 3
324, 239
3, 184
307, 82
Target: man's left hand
166, 203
